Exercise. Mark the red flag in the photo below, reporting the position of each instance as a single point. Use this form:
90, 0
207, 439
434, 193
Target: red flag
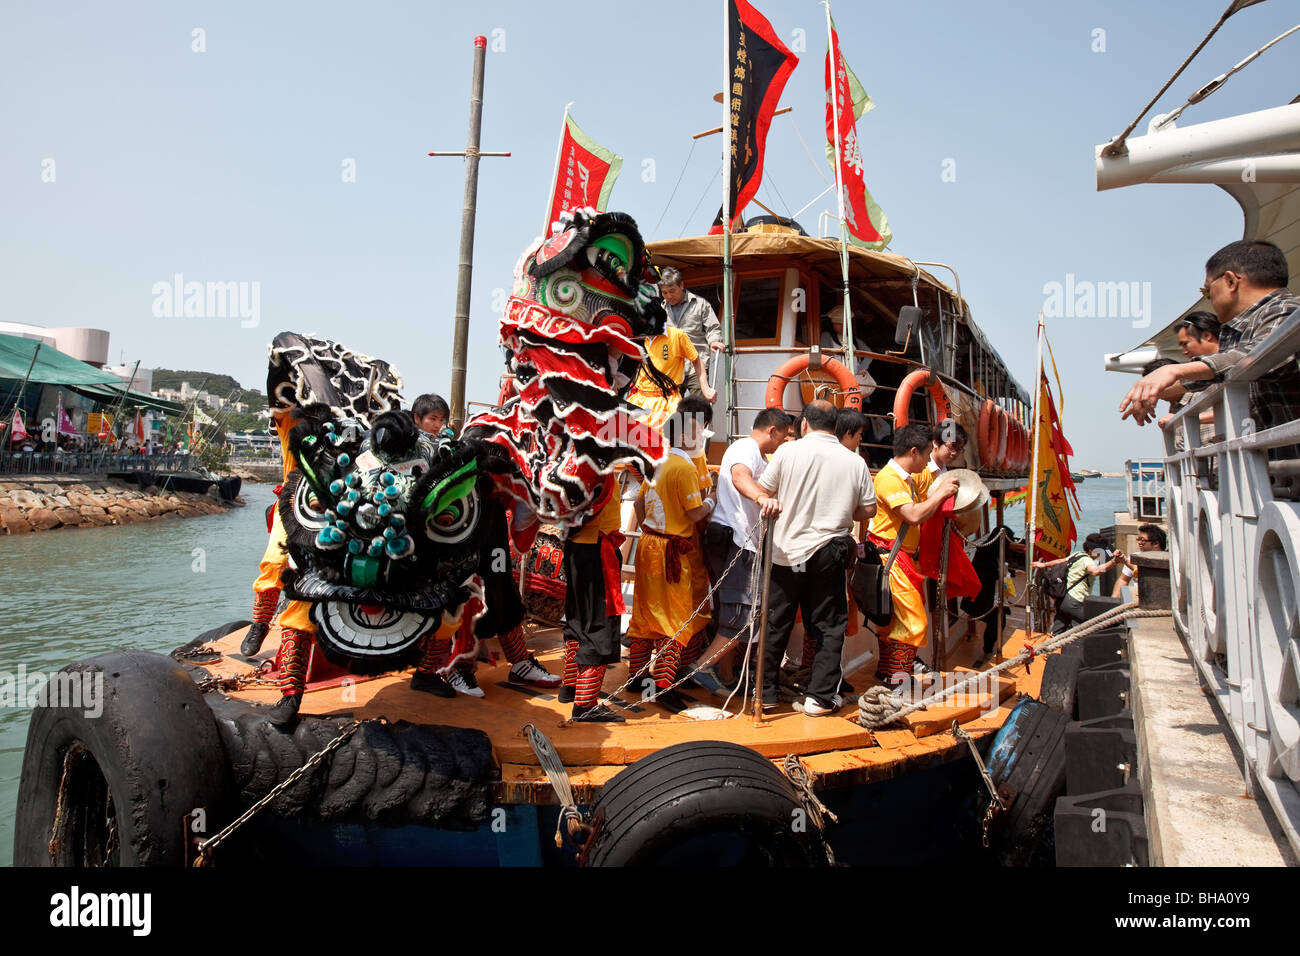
758, 66
104, 431
19, 432
962, 579
139, 428
584, 175
865, 221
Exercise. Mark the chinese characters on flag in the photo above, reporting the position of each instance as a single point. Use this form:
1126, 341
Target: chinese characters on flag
585, 175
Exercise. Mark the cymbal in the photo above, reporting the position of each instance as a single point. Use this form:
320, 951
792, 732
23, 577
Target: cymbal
971, 491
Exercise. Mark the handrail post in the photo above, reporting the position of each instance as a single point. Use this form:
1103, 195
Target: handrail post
761, 649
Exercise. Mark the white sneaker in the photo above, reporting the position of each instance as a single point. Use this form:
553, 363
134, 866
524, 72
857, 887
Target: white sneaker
529, 671
464, 682
810, 708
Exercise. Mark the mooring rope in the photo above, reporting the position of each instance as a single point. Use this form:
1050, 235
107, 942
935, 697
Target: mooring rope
879, 710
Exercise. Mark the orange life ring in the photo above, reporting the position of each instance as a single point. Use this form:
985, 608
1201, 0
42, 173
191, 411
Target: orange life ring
1022, 448
1004, 440
792, 367
988, 434
1013, 445
913, 381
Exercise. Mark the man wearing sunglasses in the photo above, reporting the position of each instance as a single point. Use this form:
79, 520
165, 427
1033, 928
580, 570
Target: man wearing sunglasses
1245, 283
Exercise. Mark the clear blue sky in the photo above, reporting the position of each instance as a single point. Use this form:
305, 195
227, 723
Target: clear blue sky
226, 165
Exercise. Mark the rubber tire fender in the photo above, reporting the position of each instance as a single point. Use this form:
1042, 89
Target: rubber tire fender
791, 367
157, 747
697, 788
921, 378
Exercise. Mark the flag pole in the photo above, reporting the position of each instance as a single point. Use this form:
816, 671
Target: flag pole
23, 387
555, 178
1032, 509
834, 91
728, 332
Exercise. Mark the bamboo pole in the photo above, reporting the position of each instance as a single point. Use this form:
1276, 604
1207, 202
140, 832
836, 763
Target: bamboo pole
465, 268
761, 648
849, 359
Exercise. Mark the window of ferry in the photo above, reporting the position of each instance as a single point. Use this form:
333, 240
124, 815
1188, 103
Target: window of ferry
758, 309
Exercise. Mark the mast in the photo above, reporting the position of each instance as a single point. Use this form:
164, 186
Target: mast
465, 269
728, 332
1031, 511
834, 51
23, 387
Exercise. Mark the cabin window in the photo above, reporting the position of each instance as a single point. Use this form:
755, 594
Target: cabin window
758, 309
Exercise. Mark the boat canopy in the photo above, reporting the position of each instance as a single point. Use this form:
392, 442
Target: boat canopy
110, 393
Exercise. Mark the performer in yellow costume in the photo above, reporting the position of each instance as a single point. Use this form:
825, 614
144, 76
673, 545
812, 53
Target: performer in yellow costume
266, 589
901, 507
669, 353
670, 570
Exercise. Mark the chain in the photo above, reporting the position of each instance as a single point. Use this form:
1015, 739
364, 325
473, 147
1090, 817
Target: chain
204, 857
233, 682
996, 803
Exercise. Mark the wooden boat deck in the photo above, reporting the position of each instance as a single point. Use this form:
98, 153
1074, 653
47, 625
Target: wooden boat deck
836, 749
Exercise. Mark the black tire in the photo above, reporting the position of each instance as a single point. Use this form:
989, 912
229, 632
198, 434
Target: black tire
133, 773
704, 803
1027, 764
1059, 688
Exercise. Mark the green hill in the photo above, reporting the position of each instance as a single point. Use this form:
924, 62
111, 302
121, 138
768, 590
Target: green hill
212, 382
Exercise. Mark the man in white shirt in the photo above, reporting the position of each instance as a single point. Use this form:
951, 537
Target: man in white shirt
732, 534
822, 489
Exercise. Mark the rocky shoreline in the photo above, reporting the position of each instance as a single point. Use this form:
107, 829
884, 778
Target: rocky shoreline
44, 503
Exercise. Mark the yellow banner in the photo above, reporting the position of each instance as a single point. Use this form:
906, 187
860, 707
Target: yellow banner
1054, 527
96, 421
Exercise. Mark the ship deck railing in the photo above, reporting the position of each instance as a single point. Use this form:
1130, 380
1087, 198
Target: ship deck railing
1234, 558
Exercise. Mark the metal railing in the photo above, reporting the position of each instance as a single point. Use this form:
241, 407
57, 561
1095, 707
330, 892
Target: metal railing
87, 463
1234, 559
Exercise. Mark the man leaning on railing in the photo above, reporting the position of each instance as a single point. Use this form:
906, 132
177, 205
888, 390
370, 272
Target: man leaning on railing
1245, 283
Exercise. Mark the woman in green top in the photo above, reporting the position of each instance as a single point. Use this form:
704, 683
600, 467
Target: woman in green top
1084, 566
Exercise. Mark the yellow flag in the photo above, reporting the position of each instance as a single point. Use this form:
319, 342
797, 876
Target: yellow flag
1053, 523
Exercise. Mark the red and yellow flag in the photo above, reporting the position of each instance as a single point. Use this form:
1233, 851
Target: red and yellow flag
585, 174
1054, 532
846, 100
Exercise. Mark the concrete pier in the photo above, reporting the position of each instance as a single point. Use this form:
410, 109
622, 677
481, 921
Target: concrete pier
1198, 810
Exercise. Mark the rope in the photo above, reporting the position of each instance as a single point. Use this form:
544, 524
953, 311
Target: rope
1116, 146
551, 763
797, 772
678, 183
871, 719
206, 848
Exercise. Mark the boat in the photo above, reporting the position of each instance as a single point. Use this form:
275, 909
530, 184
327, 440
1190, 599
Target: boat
1231, 513
192, 481
375, 772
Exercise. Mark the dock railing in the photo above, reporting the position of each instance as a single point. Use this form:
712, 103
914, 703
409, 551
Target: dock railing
1234, 555
93, 462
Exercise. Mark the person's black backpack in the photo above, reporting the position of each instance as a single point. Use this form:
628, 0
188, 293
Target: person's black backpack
1055, 580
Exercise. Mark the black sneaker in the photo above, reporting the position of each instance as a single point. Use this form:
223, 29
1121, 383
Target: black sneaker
598, 714
284, 715
432, 684
252, 642
670, 700
566, 694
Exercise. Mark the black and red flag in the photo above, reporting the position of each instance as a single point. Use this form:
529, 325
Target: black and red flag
758, 65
